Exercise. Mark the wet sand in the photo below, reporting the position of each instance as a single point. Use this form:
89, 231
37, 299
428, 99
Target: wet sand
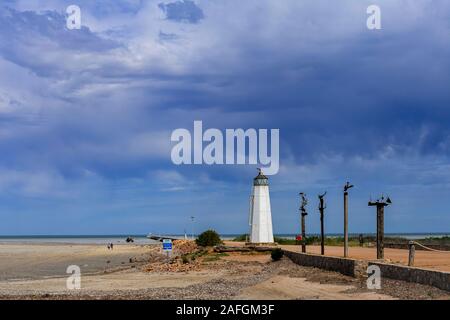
34, 261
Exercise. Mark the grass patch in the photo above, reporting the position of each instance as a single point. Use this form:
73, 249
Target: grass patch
186, 258
241, 238
353, 241
315, 240
215, 257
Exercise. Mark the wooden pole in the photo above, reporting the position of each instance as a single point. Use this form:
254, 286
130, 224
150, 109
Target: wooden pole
322, 238
380, 204
322, 231
346, 187
412, 253
345, 224
303, 213
380, 231
303, 234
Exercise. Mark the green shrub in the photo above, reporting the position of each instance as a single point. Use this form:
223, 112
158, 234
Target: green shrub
208, 238
277, 254
185, 259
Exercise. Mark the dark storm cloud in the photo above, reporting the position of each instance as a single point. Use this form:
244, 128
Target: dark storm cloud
28, 38
95, 115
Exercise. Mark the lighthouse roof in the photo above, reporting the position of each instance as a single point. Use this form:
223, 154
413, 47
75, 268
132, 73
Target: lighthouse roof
261, 176
260, 179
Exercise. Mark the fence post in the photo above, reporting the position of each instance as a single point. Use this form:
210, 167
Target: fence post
412, 253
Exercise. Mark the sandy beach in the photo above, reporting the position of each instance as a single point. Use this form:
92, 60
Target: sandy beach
139, 272
34, 261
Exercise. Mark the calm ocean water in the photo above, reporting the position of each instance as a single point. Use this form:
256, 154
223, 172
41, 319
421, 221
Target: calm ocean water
142, 239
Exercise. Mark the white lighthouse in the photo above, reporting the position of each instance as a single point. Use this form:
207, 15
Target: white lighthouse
260, 214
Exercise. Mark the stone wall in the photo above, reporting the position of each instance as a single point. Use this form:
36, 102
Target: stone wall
349, 267
433, 278
358, 268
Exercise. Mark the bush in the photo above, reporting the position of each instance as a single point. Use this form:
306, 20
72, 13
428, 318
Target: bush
185, 259
208, 238
277, 254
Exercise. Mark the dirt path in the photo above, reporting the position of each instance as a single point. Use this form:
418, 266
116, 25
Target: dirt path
287, 288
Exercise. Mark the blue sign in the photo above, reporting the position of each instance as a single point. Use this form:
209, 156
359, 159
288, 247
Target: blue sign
167, 245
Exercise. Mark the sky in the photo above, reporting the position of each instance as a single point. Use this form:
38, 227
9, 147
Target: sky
86, 115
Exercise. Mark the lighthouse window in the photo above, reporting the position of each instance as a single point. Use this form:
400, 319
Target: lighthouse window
261, 182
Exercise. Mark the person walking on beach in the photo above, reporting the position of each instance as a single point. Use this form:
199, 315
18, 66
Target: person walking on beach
112, 246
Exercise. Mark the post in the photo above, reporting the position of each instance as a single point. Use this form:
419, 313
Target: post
322, 231
380, 232
345, 224
303, 224
303, 234
412, 253
380, 204
346, 187
322, 237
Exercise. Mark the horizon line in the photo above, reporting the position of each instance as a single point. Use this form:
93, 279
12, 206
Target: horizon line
222, 234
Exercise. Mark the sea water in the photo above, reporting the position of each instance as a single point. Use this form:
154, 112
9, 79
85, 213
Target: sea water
142, 239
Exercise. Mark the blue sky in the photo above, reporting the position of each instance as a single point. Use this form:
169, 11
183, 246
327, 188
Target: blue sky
86, 115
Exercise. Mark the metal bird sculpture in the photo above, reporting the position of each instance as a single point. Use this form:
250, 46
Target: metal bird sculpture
348, 186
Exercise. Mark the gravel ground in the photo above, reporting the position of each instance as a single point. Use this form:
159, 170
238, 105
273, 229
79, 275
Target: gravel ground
395, 288
242, 275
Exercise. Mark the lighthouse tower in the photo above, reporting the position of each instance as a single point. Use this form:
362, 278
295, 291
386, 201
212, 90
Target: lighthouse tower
260, 214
